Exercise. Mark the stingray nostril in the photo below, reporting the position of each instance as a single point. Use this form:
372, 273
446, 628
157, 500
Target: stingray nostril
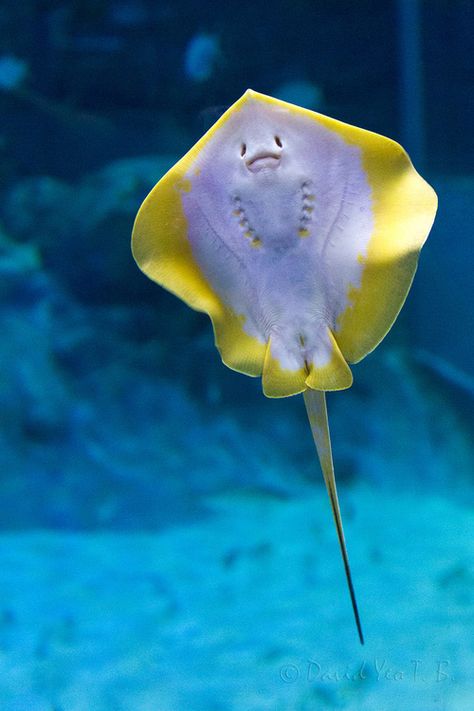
243, 149
278, 142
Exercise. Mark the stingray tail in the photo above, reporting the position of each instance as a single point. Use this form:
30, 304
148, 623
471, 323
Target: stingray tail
315, 401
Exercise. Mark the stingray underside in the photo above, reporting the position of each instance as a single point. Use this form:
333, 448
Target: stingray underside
303, 265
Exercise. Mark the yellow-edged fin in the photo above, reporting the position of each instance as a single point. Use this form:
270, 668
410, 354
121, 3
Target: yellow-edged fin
333, 375
239, 351
160, 247
315, 402
404, 207
278, 381
162, 251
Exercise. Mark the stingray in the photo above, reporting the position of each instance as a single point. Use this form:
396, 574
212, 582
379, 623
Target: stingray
299, 236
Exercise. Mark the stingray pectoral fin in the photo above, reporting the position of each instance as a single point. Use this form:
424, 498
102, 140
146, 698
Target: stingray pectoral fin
403, 209
162, 250
239, 351
315, 402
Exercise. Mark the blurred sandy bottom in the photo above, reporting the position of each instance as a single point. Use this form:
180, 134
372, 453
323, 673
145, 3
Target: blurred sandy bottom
246, 609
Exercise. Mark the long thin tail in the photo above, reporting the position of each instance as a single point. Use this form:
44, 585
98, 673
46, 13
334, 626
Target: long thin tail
315, 402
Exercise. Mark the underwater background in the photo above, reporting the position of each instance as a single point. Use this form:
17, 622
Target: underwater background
166, 541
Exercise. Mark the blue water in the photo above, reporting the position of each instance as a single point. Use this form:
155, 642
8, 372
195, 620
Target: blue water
166, 542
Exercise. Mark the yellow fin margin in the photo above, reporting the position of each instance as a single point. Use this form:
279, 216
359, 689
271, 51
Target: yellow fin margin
162, 251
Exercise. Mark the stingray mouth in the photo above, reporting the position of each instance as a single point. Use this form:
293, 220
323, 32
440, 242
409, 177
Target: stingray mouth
263, 160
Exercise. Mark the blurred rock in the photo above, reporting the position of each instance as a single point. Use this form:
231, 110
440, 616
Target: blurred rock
83, 231
17, 262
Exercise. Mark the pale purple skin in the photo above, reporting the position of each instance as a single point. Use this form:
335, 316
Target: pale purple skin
281, 172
